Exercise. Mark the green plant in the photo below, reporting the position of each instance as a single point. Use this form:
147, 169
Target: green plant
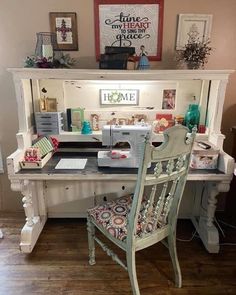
61, 61
64, 61
195, 53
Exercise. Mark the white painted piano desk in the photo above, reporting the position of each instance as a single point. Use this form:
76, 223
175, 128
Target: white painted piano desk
48, 187
53, 193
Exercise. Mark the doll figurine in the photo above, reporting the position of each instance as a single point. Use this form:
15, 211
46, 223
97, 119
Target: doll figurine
143, 63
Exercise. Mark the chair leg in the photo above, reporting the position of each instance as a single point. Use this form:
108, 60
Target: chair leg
174, 258
91, 243
131, 266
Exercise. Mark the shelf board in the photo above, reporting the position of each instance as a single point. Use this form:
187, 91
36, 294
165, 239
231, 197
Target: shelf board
96, 136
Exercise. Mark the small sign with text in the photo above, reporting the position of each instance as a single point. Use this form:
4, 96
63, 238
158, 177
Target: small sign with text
119, 97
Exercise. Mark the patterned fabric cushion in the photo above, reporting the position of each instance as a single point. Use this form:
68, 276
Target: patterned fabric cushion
113, 216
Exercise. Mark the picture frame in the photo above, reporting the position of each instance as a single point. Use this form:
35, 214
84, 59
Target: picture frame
129, 23
119, 96
168, 99
64, 25
48, 104
163, 121
198, 24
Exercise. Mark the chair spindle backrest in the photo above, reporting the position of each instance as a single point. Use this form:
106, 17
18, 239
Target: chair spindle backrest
159, 189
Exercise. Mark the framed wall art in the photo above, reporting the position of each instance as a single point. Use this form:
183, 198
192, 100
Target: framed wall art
196, 25
129, 23
64, 25
119, 96
168, 101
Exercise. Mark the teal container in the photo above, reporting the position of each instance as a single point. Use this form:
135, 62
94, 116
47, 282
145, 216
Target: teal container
86, 128
192, 116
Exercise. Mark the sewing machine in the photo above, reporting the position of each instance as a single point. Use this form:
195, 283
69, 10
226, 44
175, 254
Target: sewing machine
126, 158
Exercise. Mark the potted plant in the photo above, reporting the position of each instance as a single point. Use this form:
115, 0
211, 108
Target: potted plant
195, 53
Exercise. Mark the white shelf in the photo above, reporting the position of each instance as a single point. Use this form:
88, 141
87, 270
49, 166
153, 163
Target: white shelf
96, 136
67, 136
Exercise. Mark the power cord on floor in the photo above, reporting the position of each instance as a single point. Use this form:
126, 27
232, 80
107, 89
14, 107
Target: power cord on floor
221, 230
194, 234
227, 224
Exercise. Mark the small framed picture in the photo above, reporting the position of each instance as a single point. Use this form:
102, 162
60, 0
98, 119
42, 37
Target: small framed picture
95, 122
168, 101
48, 104
76, 119
198, 26
51, 104
64, 25
163, 121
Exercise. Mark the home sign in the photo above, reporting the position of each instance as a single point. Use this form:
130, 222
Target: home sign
119, 97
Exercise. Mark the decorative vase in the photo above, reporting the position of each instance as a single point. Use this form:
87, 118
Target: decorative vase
192, 116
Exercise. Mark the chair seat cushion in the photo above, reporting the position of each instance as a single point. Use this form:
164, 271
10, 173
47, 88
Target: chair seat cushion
113, 215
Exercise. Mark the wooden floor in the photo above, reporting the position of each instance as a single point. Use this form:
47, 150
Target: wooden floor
59, 265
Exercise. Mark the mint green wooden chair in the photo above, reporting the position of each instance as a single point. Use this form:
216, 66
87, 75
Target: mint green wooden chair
148, 216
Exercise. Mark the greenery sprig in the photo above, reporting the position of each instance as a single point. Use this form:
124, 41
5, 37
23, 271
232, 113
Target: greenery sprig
195, 52
62, 61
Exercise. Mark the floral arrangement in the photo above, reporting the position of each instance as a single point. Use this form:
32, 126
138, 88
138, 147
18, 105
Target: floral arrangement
195, 53
62, 61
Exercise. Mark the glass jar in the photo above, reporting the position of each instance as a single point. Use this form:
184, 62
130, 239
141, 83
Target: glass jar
192, 116
45, 45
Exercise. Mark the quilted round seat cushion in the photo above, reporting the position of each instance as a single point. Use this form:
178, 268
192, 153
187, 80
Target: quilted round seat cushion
113, 216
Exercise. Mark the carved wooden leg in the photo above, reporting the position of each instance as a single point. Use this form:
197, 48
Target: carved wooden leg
91, 243
131, 267
174, 258
205, 227
28, 203
35, 216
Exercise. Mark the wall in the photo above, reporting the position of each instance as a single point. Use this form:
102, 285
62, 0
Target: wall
20, 20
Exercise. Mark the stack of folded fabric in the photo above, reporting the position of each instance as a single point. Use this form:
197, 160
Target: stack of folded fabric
44, 144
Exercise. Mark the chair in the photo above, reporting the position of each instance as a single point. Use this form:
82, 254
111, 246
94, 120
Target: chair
148, 216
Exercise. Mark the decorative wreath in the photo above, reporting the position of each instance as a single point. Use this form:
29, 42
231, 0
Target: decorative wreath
115, 97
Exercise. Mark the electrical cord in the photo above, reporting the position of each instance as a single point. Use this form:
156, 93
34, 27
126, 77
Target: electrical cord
194, 234
220, 228
227, 224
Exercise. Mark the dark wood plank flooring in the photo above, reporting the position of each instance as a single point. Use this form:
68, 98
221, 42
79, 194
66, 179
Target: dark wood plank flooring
59, 264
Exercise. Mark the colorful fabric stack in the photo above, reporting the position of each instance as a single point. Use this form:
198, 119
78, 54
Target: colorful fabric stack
45, 145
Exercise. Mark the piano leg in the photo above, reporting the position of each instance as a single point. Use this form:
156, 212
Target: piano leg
204, 224
35, 212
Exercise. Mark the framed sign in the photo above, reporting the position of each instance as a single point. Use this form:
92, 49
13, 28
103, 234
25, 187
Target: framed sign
64, 25
119, 96
129, 23
194, 25
168, 100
